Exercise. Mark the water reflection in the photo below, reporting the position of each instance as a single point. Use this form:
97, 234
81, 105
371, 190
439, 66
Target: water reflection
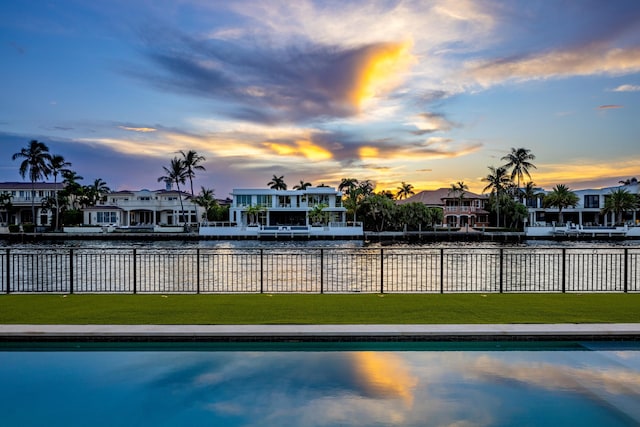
320, 388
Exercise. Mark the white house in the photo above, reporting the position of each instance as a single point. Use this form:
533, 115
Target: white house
143, 208
315, 212
588, 211
285, 207
22, 195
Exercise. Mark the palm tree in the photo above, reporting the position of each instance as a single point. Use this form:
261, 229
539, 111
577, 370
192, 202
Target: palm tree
519, 162
176, 173
302, 186
459, 189
277, 183
96, 191
36, 163
619, 202
192, 162
72, 188
348, 184
561, 197
58, 165
6, 205
404, 191
206, 200
497, 180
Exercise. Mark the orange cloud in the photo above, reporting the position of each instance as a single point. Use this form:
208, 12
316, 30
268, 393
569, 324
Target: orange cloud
385, 375
381, 70
303, 148
610, 107
137, 129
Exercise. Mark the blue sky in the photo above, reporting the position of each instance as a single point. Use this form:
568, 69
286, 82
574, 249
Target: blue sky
426, 92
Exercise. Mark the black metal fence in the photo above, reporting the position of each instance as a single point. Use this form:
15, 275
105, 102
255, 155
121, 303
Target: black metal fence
320, 270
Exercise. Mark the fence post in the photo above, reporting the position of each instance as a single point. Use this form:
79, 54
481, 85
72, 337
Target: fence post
381, 271
198, 270
564, 266
501, 267
441, 270
8, 271
626, 269
261, 270
135, 272
71, 271
321, 271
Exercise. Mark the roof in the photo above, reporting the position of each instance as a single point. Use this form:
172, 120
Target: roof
436, 197
428, 197
24, 185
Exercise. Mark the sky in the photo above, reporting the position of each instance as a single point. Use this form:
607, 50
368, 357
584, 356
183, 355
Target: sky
424, 92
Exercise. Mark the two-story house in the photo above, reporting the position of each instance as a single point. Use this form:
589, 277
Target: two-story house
144, 208
22, 196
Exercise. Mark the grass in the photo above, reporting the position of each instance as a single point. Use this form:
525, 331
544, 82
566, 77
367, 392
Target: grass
320, 309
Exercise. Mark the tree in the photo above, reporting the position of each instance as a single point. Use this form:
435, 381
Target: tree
317, 214
58, 165
252, 213
73, 191
302, 186
404, 191
36, 164
497, 180
277, 183
206, 200
6, 205
95, 192
192, 160
459, 190
378, 210
561, 197
176, 173
519, 162
619, 202
347, 184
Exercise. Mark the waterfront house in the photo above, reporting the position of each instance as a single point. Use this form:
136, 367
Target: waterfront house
314, 211
470, 210
22, 195
588, 211
143, 209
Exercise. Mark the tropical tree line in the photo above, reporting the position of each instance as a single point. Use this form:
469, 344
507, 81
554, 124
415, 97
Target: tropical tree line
38, 164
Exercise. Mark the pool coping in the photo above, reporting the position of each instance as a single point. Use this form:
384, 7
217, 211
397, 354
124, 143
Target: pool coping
290, 332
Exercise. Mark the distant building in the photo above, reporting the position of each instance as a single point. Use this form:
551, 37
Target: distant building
143, 208
469, 211
588, 211
285, 207
22, 195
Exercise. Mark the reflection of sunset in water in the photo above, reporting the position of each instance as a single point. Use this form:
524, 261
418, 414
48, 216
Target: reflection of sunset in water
385, 375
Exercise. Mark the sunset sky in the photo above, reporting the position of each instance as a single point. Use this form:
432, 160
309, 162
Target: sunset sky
427, 92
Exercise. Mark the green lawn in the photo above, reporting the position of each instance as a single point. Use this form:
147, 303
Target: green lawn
320, 309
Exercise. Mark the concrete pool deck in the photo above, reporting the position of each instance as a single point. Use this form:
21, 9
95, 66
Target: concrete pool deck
470, 332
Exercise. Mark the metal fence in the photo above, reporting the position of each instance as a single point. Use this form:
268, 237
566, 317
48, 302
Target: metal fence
320, 270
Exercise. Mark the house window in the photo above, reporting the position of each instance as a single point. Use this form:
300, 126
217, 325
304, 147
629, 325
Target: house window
243, 200
264, 201
591, 201
106, 217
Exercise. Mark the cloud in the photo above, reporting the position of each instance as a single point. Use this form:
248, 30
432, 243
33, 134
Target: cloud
138, 129
610, 107
272, 85
431, 122
590, 60
627, 88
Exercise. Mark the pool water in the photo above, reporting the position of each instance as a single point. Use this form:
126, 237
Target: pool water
341, 384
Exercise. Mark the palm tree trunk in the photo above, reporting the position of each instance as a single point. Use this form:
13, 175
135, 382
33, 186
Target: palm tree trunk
33, 204
181, 205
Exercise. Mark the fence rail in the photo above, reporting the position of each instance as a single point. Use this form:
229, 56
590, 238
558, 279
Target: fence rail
320, 270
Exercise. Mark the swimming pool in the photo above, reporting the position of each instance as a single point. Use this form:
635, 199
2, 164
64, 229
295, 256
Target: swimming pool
320, 384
